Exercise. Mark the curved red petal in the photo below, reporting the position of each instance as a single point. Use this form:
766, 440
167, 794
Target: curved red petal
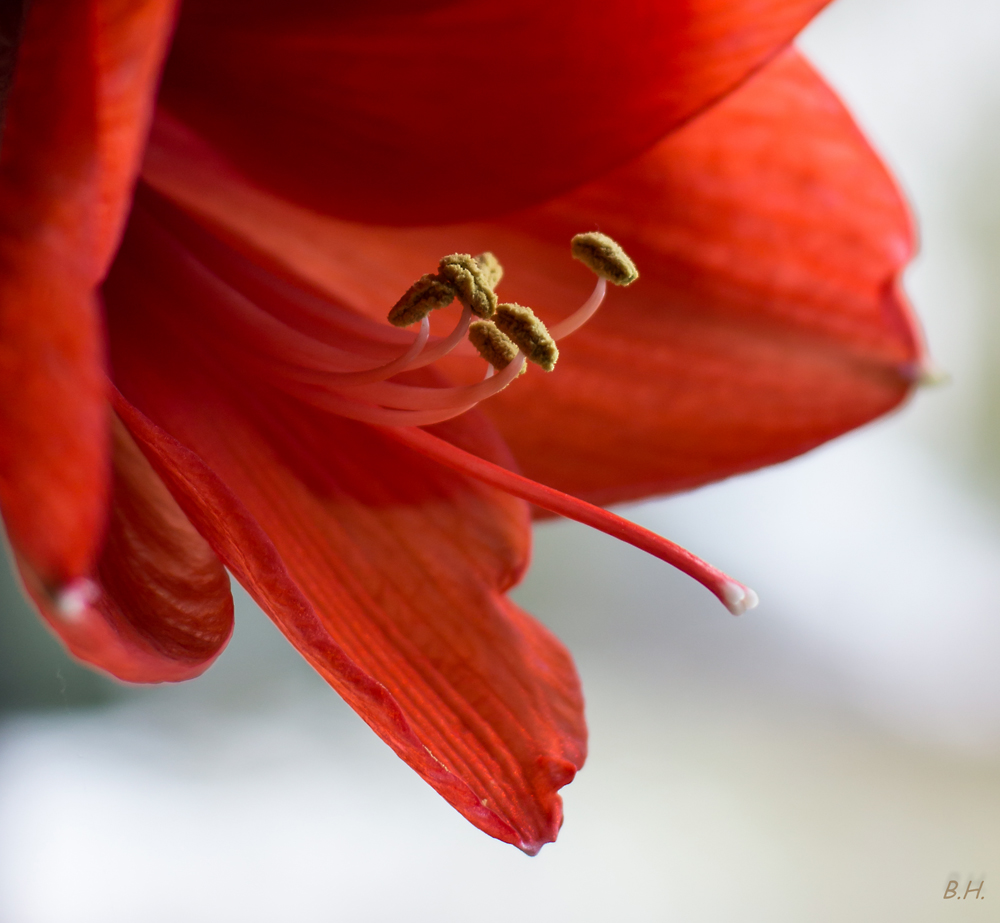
768, 317
131, 40
160, 609
767, 320
77, 114
417, 113
385, 570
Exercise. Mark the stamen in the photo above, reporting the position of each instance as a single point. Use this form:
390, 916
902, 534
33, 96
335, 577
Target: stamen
583, 314
391, 417
736, 597
529, 333
492, 345
471, 283
605, 257
427, 294
382, 372
419, 397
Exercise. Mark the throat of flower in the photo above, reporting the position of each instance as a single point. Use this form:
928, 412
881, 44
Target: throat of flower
332, 358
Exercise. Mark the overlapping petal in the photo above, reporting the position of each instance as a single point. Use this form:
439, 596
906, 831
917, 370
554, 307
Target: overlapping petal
75, 125
160, 606
767, 320
442, 111
768, 317
385, 570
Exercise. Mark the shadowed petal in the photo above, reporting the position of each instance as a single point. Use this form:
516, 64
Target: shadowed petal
384, 569
77, 114
442, 111
161, 607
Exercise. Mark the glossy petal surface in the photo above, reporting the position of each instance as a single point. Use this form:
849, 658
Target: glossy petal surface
163, 610
429, 112
384, 569
767, 318
76, 118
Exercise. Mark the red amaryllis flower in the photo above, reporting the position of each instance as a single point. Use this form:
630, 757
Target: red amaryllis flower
193, 289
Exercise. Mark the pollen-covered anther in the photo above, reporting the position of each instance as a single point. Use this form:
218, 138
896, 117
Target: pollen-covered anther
528, 333
491, 268
491, 344
471, 282
427, 294
605, 257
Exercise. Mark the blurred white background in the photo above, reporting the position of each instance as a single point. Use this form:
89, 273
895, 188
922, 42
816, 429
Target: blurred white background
834, 755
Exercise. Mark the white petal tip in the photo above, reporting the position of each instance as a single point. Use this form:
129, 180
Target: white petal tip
925, 374
75, 597
739, 598
932, 377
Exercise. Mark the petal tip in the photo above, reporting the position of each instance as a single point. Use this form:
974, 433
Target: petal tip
74, 598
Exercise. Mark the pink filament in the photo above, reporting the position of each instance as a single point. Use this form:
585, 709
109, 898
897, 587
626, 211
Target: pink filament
314, 349
435, 410
583, 314
382, 372
713, 579
408, 397
444, 346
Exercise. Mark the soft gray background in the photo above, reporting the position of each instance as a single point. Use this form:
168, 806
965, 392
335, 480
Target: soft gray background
834, 755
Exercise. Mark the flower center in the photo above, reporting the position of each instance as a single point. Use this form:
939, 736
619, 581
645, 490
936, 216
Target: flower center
342, 363
333, 358
506, 335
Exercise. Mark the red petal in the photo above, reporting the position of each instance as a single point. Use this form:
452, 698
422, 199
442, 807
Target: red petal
163, 610
428, 112
767, 319
131, 38
385, 570
77, 113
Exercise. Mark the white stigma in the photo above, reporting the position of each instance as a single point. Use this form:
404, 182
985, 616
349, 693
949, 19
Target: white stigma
739, 598
75, 597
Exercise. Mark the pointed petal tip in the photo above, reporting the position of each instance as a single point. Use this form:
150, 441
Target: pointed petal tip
74, 598
929, 375
532, 847
738, 598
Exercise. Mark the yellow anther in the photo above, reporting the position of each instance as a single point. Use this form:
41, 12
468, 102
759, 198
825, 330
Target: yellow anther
471, 283
491, 344
605, 257
425, 295
491, 268
528, 333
